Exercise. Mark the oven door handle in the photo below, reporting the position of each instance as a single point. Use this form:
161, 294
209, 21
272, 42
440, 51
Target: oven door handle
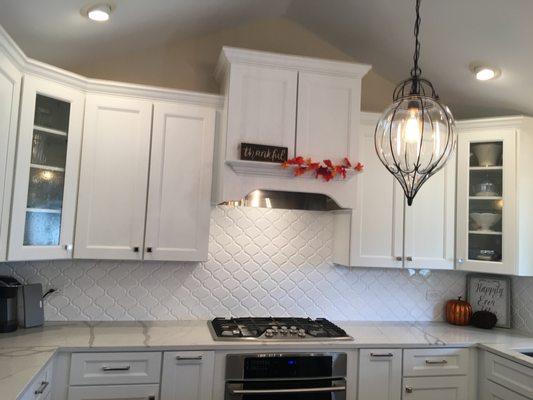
281, 391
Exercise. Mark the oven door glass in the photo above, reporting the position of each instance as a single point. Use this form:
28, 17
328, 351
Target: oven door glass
288, 389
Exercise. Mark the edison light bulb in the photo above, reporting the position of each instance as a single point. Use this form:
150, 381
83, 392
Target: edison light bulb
411, 133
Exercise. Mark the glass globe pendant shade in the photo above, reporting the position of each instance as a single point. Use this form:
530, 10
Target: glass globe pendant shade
414, 138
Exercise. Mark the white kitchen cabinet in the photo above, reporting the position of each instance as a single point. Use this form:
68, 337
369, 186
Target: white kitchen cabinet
328, 116
179, 196
118, 392
380, 374
494, 190
435, 388
10, 79
187, 375
113, 178
46, 172
382, 230
41, 387
494, 391
262, 104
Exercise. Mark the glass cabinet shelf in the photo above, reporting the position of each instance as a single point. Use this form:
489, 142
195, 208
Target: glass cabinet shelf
50, 130
491, 168
485, 233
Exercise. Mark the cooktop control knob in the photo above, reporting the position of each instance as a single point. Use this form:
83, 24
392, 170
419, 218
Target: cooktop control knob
269, 333
301, 333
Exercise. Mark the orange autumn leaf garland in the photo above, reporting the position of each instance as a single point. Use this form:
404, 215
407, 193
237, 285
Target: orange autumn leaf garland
327, 171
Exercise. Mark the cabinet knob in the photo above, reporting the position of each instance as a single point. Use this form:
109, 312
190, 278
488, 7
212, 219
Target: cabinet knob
460, 260
148, 249
409, 258
136, 249
398, 258
408, 389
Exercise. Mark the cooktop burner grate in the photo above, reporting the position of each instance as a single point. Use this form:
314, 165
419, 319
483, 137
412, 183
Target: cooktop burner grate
272, 328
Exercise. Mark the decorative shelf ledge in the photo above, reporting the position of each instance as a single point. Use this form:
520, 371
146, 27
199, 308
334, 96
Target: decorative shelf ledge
259, 168
495, 233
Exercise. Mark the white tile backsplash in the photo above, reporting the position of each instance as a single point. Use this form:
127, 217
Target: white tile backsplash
261, 262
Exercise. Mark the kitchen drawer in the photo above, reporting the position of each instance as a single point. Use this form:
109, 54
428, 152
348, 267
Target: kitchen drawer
435, 362
509, 374
494, 391
117, 392
40, 387
114, 368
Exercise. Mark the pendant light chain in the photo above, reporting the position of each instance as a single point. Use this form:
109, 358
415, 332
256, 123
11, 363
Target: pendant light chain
416, 72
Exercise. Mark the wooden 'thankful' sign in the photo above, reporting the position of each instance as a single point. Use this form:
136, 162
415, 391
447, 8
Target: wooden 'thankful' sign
261, 152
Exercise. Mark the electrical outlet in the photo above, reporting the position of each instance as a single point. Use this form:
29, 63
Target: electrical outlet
434, 294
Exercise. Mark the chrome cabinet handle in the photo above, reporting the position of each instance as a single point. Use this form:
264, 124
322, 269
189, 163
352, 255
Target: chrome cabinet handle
197, 358
124, 368
281, 391
440, 362
408, 389
42, 388
460, 261
383, 355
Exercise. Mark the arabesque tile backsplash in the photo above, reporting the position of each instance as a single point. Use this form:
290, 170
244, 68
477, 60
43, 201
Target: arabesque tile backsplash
261, 262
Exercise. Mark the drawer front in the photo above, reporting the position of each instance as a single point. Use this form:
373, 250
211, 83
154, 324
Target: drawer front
435, 362
114, 368
509, 374
129, 392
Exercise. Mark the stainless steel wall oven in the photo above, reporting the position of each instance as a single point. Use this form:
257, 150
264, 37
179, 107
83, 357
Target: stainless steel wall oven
286, 376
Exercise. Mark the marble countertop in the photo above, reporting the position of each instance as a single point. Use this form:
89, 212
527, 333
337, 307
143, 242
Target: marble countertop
25, 352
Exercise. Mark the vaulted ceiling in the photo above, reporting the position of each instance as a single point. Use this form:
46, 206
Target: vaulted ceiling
454, 34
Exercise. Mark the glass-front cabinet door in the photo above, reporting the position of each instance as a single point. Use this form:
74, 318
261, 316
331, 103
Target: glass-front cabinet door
486, 201
46, 177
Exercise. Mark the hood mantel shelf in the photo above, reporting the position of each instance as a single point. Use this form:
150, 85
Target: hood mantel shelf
260, 168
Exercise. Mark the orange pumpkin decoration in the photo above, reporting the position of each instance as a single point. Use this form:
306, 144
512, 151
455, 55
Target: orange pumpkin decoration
458, 312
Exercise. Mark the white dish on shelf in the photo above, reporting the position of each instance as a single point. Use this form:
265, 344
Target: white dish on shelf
485, 220
486, 194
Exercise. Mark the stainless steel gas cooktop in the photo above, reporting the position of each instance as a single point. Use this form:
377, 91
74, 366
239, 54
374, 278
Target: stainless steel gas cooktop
270, 329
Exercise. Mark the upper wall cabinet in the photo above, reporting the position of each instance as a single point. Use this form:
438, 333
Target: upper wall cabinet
113, 178
494, 192
382, 230
179, 195
10, 79
115, 183
47, 164
310, 106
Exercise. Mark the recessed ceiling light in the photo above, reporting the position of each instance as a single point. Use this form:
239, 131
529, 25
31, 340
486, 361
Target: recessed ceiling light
484, 72
98, 13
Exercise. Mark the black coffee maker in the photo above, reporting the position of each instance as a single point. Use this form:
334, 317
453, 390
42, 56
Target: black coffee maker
8, 303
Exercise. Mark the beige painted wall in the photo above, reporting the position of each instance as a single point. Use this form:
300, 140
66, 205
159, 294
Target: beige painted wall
190, 64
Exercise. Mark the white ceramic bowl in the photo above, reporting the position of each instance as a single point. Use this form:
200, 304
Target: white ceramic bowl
485, 220
488, 154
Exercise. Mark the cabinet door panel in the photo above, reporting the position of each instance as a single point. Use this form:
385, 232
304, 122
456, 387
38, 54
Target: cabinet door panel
179, 200
430, 223
436, 388
10, 79
46, 179
187, 375
114, 178
380, 374
486, 201
262, 108
377, 222
328, 116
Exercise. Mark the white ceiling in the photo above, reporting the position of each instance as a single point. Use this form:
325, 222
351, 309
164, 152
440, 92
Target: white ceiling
379, 32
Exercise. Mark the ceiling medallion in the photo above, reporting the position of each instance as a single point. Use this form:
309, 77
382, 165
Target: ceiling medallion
415, 137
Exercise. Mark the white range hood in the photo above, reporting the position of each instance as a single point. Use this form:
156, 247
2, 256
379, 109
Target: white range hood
310, 106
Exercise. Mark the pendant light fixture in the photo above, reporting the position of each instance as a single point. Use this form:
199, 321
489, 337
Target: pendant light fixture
415, 137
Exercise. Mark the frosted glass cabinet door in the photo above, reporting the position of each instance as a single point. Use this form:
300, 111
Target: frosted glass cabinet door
10, 79
46, 180
179, 195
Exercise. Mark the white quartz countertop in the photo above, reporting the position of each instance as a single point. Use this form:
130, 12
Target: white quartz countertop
25, 352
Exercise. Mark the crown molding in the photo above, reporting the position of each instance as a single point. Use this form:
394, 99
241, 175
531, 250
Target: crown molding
233, 55
495, 122
28, 65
